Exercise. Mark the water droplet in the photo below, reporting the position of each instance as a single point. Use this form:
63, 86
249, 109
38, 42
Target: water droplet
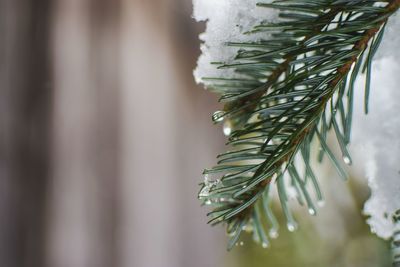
373, 230
205, 192
321, 203
208, 202
241, 243
347, 160
208, 185
270, 142
227, 129
247, 227
273, 233
264, 244
312, 211
218, 116
291, 226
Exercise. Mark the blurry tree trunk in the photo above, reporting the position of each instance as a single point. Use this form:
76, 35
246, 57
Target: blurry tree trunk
83, 208
24, 122
101, 156
166, 140
150, 231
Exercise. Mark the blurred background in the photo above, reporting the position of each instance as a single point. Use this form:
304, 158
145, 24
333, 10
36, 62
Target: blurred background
103, 138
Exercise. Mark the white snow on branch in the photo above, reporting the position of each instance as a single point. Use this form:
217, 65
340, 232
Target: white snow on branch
376, 136
226, 20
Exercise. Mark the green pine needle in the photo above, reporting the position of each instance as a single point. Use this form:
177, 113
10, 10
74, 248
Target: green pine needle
289, 90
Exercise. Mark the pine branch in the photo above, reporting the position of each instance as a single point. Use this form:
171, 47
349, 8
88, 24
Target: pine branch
253, 96
293, 88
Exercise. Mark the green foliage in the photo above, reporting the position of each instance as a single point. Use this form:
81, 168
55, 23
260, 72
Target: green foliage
289, 89
354, 246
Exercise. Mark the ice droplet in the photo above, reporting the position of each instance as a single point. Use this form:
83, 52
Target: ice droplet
270, 142
241, 243
312, 211
264, 244
208, 202
218, 116
205, 191
347, 160
247, 228
291, 226
208, 185
227, 129
273, 233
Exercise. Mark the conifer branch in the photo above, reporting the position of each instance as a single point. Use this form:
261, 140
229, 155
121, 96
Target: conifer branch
292, 88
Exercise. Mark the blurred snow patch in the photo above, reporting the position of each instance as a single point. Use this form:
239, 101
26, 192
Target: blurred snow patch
376, 137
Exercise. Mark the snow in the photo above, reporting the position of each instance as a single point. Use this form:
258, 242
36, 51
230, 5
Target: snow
376, 136
226, 20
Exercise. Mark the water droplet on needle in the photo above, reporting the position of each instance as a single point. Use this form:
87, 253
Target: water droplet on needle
273, 233
218, 116
291, 226
347, 160
311, 211
227, 128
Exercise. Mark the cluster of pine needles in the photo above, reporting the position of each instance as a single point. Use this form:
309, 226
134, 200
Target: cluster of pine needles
289, 90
